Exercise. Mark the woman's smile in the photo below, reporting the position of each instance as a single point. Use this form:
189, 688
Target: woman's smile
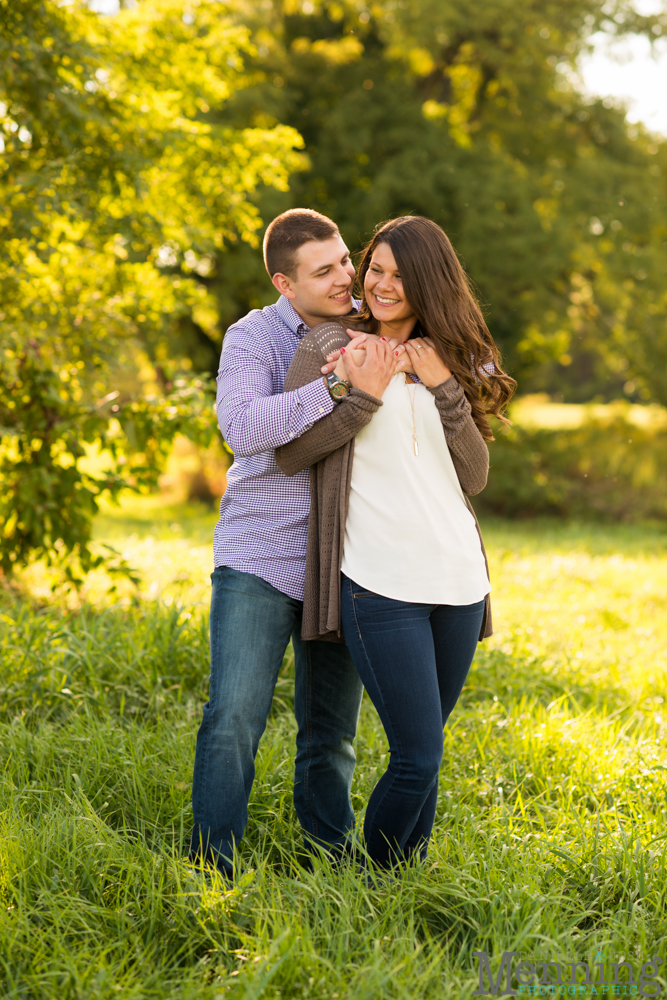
385, 295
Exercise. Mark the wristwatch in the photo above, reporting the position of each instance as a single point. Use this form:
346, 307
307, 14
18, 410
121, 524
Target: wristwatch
338, 387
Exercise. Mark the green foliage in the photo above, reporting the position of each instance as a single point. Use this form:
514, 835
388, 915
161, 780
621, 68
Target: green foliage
47, 500
143, 152
111, 174
605, 469
45, 435
468, 113
549, 831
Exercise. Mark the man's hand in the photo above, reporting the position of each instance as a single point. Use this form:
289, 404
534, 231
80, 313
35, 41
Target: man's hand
374, 373
357, 342
357, 356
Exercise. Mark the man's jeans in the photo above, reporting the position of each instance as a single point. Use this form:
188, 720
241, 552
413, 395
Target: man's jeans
251, 625
413, 660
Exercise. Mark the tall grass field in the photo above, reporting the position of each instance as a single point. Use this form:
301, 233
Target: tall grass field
552, 821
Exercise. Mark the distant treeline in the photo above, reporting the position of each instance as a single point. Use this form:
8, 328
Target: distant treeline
468, 113
604, 469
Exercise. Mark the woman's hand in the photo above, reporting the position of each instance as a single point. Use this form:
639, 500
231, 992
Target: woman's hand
404, 363
427, 365
398, 350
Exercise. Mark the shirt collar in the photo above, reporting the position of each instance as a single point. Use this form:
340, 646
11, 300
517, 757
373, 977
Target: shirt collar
291, 318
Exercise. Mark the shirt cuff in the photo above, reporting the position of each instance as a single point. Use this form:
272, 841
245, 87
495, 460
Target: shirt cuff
316, 400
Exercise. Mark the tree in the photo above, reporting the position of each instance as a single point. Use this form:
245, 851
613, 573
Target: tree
116, 191
470, 114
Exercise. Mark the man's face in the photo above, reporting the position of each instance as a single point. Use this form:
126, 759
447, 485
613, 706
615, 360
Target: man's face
323, 281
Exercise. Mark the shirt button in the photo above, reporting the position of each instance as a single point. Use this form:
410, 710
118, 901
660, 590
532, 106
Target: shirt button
291, 435
321, 409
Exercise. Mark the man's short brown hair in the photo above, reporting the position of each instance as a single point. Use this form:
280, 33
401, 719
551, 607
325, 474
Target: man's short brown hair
290, 231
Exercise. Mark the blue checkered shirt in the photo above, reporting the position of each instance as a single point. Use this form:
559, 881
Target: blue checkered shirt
263, 522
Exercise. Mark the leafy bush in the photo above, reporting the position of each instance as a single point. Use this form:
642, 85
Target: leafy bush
47, 502
608, 469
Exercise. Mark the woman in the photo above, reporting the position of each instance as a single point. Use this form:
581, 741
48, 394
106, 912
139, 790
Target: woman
395, 557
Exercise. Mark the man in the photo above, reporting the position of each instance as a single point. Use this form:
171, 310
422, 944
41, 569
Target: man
260, 553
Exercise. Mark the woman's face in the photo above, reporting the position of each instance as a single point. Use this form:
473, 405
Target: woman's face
384, 289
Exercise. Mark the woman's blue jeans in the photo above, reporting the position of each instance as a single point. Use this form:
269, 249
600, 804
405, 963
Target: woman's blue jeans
251, 625
413, 660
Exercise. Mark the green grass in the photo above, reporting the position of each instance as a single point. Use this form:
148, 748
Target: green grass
551, 826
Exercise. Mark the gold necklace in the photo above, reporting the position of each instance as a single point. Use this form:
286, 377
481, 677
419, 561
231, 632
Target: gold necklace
414, 424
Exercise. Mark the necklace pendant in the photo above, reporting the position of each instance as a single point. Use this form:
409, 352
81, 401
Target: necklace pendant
414, 424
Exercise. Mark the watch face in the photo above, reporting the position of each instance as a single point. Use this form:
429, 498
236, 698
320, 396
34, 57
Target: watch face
339, 390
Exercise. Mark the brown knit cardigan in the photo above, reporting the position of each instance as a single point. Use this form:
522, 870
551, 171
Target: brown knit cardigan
328, 450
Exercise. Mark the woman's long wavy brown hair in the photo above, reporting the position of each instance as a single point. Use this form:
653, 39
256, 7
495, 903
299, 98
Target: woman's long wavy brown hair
437, 288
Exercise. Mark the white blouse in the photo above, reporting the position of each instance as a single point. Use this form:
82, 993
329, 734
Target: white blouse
409, 534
